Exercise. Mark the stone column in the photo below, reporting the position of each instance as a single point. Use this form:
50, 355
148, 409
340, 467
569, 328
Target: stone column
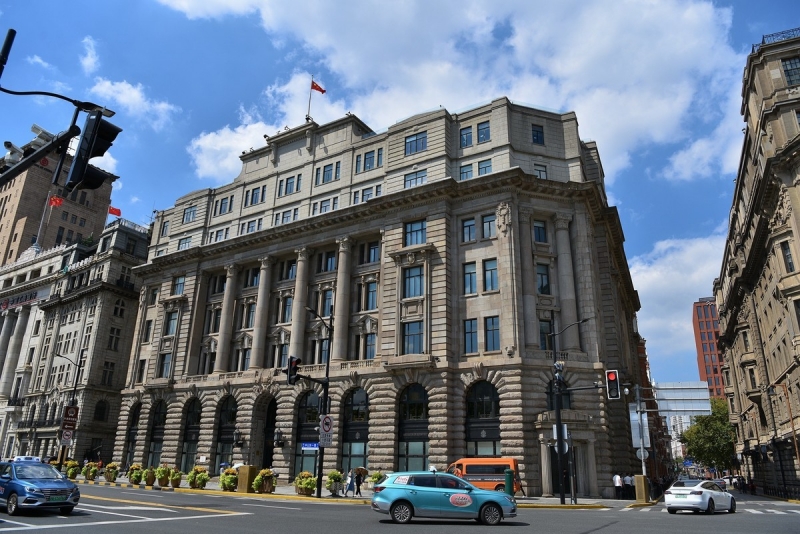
570, 339
528, 281
222, 364
547, 474
262, 313
10, 318
341, 312
299, 311
591, 468
12, 356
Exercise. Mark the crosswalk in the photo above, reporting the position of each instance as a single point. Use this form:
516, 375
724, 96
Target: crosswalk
653, 509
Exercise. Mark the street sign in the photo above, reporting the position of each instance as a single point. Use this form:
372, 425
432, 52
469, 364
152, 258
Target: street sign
642, 452
70, 419
325, 431
309, 446
66, 438
564, 434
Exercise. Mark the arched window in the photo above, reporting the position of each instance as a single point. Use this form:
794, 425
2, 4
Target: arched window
133, 430
307, 423
226, 427
158, 425
412, 444
566, 397
101, 411
483, 420
191, 434
355, 446
119, 308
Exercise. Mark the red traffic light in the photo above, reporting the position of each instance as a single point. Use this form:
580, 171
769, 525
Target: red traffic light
612, 375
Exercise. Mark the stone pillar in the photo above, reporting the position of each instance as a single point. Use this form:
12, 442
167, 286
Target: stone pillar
341, 312
12, 356
299, 311
10, 318
547, 474
591, 468
222, 364
262, 313
528, 281
570, 339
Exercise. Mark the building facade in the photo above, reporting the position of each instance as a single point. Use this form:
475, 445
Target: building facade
705, 324
25, 210
758, 289
442, 260
67, 328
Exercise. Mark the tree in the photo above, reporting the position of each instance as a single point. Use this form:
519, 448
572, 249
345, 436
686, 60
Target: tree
710, 440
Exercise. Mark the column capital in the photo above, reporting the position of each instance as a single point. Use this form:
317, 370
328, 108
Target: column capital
266, 261
231, 270
345, 243
525, 216
562, 221
303, 253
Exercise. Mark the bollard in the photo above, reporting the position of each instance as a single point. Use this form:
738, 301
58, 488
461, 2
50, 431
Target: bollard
509, 482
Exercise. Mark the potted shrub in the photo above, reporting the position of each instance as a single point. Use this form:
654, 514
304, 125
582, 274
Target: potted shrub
175, 478
229, 479
150, 476
90, 471
162, 475
111, 472
198, 477
135, 474
73, 468
335, 482
374, 478
265, 481
305, 483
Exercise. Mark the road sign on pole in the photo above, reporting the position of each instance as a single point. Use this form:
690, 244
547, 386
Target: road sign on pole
70, 419
326, 431
66, 438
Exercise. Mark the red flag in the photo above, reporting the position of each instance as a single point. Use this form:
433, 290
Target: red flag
56, 201
317, 87
115, 211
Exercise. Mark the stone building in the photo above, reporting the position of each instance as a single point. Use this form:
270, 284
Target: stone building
758, 289
25, 212
68, 323
448, 254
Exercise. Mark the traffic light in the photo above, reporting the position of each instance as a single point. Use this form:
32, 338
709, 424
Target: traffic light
292, 367
98, 136
612, 384
18, 161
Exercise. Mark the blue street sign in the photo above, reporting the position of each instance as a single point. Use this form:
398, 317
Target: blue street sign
688, 463
312, 446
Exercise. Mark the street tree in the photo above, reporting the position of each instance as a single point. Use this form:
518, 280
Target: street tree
710, 440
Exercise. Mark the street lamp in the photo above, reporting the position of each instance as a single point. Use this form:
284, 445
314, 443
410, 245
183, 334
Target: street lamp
558, 368
72, 402
329, 326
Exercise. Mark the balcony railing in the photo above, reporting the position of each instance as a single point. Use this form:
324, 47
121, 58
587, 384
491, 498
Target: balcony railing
776, 38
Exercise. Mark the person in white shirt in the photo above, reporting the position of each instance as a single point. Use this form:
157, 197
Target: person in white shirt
628, 480
618, 486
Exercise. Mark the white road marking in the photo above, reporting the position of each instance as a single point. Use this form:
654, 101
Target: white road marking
775, 512
139, 493
15, 523
110, 513
267, 506
130, 508
753, 511
626, 509
104, 523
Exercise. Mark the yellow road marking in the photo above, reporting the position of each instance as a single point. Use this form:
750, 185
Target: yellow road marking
158, 505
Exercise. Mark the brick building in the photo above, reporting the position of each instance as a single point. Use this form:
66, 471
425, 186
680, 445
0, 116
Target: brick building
706, 333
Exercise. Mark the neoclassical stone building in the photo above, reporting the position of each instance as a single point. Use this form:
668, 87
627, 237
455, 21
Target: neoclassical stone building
444, 252
758, 290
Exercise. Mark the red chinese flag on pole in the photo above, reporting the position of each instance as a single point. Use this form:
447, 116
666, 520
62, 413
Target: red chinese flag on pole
115, 211
317, 87
56, 201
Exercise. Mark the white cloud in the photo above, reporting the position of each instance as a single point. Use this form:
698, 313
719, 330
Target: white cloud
134, 200
669, 278
90, 61
36, 60
133, 100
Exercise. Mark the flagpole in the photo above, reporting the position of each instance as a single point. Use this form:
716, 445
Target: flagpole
41, 222
310, 89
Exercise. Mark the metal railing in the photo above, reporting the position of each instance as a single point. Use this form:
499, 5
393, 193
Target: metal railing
776, 38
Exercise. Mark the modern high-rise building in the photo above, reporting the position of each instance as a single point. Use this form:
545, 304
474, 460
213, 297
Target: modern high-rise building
706, 333
27, 212
758, 289
432, 270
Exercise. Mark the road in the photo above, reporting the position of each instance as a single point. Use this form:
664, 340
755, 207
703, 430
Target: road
133, 511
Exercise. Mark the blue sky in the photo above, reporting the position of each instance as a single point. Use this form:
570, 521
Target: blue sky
195, 82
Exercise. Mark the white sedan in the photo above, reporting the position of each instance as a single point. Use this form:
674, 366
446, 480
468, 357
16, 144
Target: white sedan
698, 496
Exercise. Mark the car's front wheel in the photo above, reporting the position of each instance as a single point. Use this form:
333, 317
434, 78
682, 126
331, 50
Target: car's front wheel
500, 487
401, 512
732, 507
491, 514
12, 504
711, 507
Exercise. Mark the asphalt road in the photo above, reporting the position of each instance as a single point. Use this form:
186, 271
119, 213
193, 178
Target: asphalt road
124, 511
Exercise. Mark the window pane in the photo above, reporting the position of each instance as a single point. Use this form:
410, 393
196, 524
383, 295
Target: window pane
468, 230
466, 136
490, 275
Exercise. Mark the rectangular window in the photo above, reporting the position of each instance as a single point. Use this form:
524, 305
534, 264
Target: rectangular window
184, 243
416, 143
366, 194
153, 296
327, 303
466, 136
791, 69
490, 282
537, 134
542, 279
373, 252
287, 310
371, 302
540, 171
358, 164
412, 338
327, 261
189, 214
327, 174
540, 231
369, 160
338, 168
249, 318
415, 233
787, 257
178, 284
470, 279
413, 279
108, 374
290, 185
113, 339
488, 226
370, 345
164, 362
148, 331
416, 178
470, 336
140, 370
484, 167
545, 337
465, 172
290, 272
165, 228
468, 230
170, 323
484, 134
492, 333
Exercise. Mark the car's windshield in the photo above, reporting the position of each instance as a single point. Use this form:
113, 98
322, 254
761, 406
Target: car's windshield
36, 471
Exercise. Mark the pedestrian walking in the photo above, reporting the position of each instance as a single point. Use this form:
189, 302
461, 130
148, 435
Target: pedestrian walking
618, 486
350, 483
628, 481
359, 480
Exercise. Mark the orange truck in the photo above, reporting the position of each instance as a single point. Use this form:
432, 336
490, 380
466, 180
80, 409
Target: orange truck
486, 473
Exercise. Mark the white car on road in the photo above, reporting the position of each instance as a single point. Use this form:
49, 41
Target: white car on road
698, 496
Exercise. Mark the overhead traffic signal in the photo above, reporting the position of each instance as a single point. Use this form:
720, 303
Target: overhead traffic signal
18, 161
612, 384
292, 369
98, 136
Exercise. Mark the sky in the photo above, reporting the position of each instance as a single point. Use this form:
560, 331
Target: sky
656, 83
